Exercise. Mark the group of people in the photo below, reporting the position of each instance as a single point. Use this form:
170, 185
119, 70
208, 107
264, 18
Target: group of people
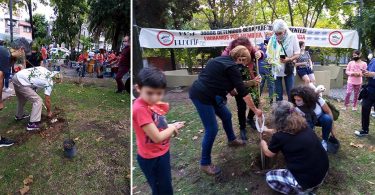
26, 82
119, 64
293, 122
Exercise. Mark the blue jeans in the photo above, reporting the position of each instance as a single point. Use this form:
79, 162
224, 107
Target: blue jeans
270, 85
325, 121
208, 114
6, 79
289, 82
158, 173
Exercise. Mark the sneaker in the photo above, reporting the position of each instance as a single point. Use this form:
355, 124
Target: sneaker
361, 133
236, 143
4, 142
324, 144
211, 169
32, 126
354, 109
25, 116
373, 114
8, 90
344, 108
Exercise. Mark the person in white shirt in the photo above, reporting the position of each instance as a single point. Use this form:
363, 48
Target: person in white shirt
25, 81
282, 49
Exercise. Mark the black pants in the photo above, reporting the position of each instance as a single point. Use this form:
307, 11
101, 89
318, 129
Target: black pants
367, 103
241, 112
158, 173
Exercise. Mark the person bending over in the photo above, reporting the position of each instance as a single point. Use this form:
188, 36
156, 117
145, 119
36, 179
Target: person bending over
306, 160
208, 94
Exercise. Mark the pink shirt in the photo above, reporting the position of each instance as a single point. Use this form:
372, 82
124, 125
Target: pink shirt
355, 67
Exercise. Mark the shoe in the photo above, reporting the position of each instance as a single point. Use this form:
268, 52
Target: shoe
344, 108
32, 126
354, 109
251, 122
373, 114
243, 135
211, 169
324, 144
4, 142
8, 90
120, 92
25, 116
236, 143
361, 133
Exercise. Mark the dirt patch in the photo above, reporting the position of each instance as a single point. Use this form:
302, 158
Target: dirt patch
334, 179
50, 127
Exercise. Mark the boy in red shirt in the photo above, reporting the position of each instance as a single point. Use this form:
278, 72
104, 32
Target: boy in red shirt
152, 130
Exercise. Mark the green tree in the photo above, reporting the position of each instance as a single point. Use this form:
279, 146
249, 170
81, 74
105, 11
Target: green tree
111, 19
70, 17
40, 26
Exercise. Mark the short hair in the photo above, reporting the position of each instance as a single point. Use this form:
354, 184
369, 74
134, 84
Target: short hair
357, 52
286, 118
240, 51
308, 95
244, 41
301, 43
279, 25
21, 43
151, 77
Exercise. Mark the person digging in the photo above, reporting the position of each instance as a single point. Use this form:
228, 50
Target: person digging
17, 50
26, 82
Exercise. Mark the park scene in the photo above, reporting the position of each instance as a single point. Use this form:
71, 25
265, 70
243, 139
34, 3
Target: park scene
65, 101
264, 97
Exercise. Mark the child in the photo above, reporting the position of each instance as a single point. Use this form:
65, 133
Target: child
354, 72
152, 130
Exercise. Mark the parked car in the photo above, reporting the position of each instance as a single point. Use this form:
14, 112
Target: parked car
65, 52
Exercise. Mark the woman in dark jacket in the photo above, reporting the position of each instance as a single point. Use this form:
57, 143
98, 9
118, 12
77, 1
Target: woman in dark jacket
220, 76
306, 160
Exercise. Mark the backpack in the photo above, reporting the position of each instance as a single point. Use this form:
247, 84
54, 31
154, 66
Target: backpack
334, 110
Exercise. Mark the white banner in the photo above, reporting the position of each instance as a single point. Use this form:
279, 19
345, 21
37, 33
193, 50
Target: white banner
316, 37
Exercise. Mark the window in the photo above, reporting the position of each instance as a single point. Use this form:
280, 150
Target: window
26, 29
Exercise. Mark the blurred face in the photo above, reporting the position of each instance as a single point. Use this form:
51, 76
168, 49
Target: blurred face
280, 35
298, 100
150, 95
356, 56
242, 60
19, 53
126, 41
303, 48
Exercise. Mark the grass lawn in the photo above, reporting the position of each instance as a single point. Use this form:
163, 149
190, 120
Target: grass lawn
351, 169
98, 121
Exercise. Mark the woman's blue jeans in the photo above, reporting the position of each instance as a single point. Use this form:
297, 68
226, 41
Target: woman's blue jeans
208, 114
289, 82
325, 121
6, 79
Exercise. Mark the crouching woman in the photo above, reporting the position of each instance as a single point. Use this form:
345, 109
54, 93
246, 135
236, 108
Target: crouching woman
306, 160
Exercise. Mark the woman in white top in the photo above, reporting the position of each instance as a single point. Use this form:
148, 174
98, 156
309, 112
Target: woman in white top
314, 108
283, 48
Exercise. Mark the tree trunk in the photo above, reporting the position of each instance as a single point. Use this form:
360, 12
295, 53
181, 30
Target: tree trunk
30, 8
173, 59
290, 13
116, 36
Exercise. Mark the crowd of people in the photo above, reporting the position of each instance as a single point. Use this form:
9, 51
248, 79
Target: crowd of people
28, 69
112, 63
281, 57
